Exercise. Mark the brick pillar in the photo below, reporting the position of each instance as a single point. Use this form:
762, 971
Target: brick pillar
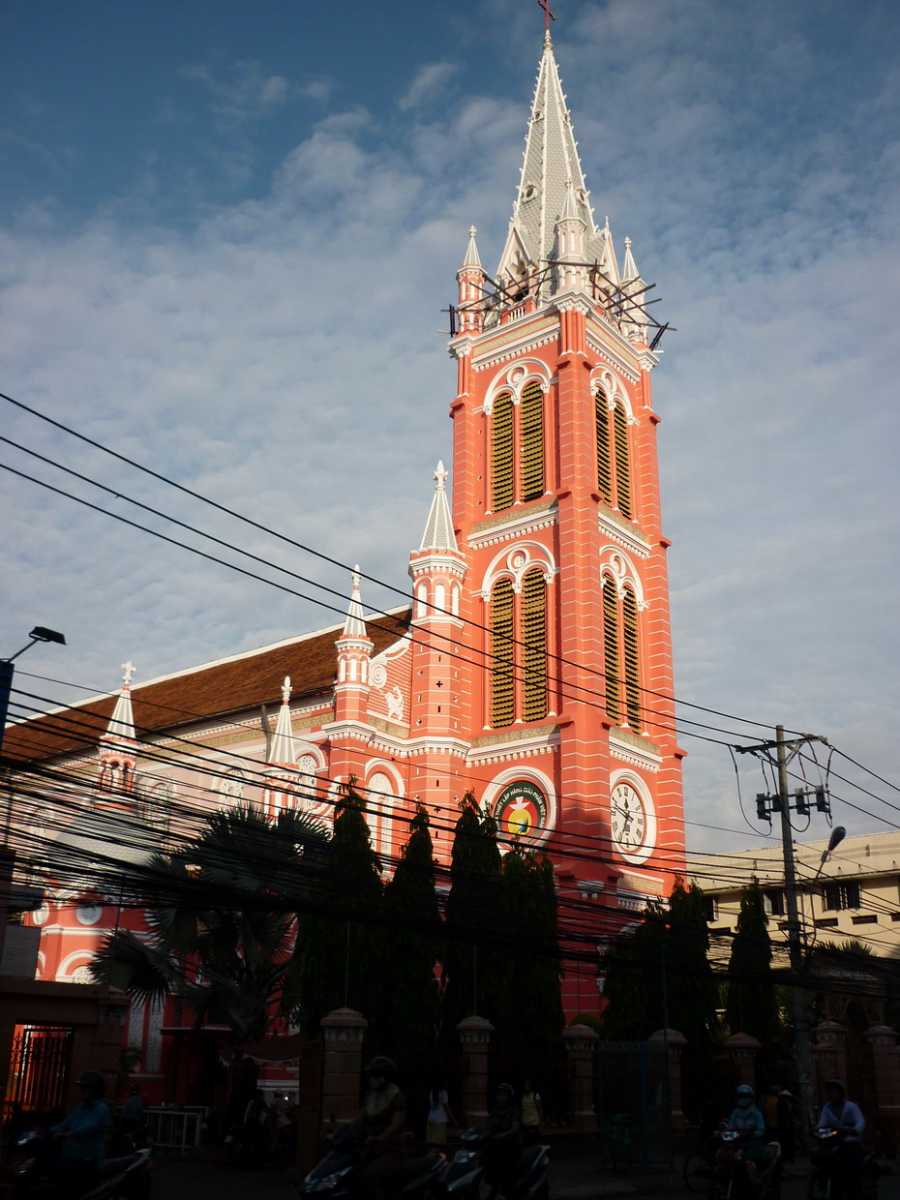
344, 1031
475, 1035
831, 1053
673, 1043
581, 1045
886, 1058
743, 1050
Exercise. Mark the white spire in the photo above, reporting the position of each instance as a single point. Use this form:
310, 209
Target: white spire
281, 751
472, 258
629, 266
121, 723
355, 625
550, 162
570, 208
439, 533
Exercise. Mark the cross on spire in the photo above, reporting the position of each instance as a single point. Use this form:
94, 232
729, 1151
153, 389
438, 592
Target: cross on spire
549, 15
128, 670
286, 689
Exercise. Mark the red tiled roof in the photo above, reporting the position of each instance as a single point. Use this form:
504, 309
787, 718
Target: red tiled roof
209, 691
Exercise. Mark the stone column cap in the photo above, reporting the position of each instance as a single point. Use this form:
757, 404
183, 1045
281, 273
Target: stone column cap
672, 1036
881, 1031
344, 1018
577, 1033
475, 1024
743, 1041
830, 1027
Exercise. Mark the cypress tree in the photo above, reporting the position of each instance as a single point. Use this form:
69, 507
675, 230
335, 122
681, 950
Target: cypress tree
473, 955
411, 946
751, 1005
338, 947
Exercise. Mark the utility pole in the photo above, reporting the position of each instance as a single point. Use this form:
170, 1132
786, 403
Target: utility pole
766, 805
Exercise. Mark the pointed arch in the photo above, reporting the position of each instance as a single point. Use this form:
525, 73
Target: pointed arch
631, 659
503, 680
532, 441
503, 483
623, 461
611, 648
534, 635
604, 450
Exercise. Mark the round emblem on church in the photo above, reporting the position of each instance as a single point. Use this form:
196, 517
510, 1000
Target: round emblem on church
379, 675
521, 810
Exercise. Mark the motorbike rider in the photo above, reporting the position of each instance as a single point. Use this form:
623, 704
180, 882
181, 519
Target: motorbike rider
747, 1120
382, 1122
503, 1140
845, 1118
83, 1136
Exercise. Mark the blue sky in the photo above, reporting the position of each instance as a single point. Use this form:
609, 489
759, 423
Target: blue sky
226, 234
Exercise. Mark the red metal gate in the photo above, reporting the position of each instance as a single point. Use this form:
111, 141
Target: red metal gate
39, 1067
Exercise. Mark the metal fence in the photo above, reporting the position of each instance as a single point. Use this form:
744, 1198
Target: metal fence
176, 1127
632, 1102
39, 1067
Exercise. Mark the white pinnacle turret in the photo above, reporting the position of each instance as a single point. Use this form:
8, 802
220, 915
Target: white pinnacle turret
472, 258
629, 266
355, 625
281, 752
121, 723
439, 534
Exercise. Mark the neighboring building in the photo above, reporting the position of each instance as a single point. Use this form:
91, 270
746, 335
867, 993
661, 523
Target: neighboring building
857, 894
535, 663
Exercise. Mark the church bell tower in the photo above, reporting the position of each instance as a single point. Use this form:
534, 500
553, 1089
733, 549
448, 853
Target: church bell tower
556, 507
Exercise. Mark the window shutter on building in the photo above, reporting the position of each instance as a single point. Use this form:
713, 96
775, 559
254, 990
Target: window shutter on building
604, 457
503, 681
534, 635
632, 662
611, 649
623, 466
532, 442
502, 459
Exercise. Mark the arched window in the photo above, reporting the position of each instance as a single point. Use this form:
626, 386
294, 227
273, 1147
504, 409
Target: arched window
421, 599
502, 453
632, 661
503, 680
532, 441
534, 635
623, 466
611, 649
604, 455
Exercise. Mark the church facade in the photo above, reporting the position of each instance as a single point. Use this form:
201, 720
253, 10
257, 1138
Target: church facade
533, 666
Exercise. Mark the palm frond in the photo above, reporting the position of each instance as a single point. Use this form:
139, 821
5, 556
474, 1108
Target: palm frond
145, 972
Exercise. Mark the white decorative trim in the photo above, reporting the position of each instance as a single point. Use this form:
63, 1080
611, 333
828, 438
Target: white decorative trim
461, 347
520, 346
615, 390
524, 522
533, 775
607, 353
624, 751
516, 562
615, 562
515, 378
357, 731
572, 301
637, 782
649, 359
65, 973
508, 751
628, 538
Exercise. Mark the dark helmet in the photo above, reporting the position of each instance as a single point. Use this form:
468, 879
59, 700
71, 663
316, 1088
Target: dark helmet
838, 1085
745, 1094
93, 1082
382, 1065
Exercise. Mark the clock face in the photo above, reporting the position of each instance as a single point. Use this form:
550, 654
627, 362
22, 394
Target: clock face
628, 821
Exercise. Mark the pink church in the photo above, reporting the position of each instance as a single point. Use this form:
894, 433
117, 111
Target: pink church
534, 666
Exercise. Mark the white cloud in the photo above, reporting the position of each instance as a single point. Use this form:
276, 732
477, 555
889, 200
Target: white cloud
428, 82
241, 91
282, 355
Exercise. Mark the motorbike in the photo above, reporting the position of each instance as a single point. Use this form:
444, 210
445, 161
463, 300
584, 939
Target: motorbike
736, 1178
123, 1178
336, 1176
518, 1174
822, 1177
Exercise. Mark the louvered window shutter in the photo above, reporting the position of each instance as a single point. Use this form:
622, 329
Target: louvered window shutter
502, 461
534, 635
604, 457
503, 658
623, 466
611, 649
632, 662
532, 442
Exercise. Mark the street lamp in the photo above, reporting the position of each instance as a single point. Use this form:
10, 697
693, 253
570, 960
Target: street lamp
40, 633
837, 836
